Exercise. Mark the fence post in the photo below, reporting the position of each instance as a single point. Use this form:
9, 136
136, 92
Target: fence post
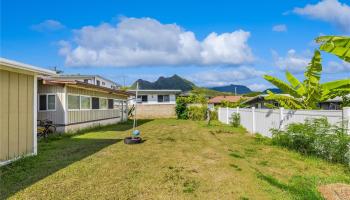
237, 110
227, 120
281, 118
253, 120
346, 119
219, 109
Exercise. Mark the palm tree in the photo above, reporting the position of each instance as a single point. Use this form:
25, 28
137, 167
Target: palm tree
310, 92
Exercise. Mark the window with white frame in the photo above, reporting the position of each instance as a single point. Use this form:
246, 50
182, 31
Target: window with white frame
73, 102
163, 98
142, 99
117, 104
110, 104
95, 103
103, 103
47, 102
85, 102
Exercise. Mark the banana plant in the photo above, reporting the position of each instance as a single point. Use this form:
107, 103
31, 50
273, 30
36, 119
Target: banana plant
337, 45
310, 92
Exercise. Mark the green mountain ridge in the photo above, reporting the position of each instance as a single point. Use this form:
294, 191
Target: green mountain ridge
176, 82
238, 89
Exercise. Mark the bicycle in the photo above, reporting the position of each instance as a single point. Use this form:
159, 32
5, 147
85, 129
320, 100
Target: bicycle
45, 127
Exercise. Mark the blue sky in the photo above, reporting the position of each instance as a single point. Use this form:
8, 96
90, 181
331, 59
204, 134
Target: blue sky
210, 43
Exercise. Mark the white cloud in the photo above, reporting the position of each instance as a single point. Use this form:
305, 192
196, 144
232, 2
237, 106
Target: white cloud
294, 62
291, 62
230, 48
336, 67
331, 11
280, 28
221, 76
48, 25
146, 41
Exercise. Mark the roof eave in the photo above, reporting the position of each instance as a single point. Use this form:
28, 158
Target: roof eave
26, 67
86, 85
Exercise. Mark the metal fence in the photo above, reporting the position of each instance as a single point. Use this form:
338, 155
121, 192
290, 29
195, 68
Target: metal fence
263, 120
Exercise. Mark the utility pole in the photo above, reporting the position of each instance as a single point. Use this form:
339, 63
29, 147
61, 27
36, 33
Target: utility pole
235, 91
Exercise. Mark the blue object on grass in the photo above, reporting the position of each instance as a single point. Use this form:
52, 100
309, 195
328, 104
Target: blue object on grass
136, 132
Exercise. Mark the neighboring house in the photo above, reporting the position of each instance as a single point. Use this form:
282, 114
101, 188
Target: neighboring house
155, 103
73, 105
219, 99
155, 96
92, 79
18, 104
260, 102
332, 104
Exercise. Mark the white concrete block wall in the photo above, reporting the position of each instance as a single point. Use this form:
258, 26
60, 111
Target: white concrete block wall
262, 120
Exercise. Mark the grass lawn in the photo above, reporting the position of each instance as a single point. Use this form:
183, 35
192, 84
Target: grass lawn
179, 160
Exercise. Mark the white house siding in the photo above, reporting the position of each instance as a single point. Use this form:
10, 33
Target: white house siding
81, 116
107, 84
153, 99
57, 116
92, 115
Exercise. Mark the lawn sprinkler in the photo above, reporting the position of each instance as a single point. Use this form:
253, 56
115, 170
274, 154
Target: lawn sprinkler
135, 135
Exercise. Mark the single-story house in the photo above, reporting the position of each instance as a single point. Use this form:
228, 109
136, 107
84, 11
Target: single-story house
92, 79
332, 104
154, 103
260, 102
219, 99
18, 105
72, 104
154, 96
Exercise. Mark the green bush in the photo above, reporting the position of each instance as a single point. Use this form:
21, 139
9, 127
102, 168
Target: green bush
235, 119
197, 112
315, 137
181, 108
214, 115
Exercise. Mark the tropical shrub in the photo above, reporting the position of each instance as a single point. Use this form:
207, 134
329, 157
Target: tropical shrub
197, 112
182, 105
198, 99
346, 101
227, 104
315, 137
181, 108
309, 93
235, 119
337, 45
214, 114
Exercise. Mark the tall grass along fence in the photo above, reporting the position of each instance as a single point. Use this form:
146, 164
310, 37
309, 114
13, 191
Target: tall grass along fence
263, 120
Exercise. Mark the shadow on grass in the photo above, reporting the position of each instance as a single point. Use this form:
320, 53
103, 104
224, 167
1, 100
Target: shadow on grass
52, 156
299, 187
124, 126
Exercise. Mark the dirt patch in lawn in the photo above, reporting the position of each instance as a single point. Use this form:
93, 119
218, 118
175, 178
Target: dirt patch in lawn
336, 191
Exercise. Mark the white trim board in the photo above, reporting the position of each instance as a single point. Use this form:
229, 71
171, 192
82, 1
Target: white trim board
22, 66
35, 117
